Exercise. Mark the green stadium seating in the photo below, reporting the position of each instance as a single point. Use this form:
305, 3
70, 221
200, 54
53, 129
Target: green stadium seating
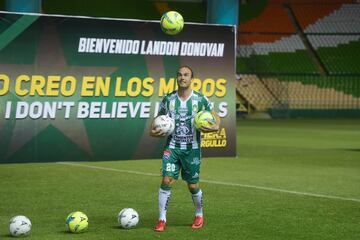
343, 59
298, 62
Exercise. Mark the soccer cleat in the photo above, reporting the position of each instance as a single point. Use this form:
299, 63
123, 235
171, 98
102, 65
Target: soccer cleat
160, 226
198, 222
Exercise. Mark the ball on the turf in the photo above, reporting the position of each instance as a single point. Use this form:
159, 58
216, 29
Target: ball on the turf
204, 119
165, 124
172, 22
19, 226
77, 222
128, 218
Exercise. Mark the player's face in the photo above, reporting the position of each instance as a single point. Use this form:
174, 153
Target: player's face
184, 78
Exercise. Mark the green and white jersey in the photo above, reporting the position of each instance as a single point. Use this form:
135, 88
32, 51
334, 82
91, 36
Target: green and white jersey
185, 135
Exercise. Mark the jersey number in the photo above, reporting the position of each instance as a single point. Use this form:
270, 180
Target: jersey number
170, 167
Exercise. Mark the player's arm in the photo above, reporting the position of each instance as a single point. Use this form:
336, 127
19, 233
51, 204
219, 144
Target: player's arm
214, 127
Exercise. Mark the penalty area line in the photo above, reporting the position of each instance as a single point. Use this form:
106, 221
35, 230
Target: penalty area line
218, 183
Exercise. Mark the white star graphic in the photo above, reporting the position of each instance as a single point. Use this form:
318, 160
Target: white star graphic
50, 60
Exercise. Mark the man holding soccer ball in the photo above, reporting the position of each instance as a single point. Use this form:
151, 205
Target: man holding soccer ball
182, 152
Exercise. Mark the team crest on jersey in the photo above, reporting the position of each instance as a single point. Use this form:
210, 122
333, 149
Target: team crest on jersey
166, 155
172, 106
195, 108
182, 130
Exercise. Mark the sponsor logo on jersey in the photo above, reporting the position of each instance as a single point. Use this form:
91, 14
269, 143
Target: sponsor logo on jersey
166, 155
197, 98
183, 117
184, 139
182, 110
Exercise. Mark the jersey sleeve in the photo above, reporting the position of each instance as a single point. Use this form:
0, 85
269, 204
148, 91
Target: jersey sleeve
208, 106
163, 108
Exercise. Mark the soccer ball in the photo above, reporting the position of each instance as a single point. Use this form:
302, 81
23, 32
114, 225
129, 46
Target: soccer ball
128, 218
172, 22
19, 226
77, 222
204, 118
165, 123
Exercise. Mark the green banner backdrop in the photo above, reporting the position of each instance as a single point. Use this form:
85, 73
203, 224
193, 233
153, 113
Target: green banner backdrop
85, 89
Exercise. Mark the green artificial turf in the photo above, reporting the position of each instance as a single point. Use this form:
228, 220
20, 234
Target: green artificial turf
292, 179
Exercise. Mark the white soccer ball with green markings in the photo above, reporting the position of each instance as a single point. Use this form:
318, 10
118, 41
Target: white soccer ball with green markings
19, 226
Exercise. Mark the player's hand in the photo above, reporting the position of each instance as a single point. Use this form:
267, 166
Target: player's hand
213, 127
157, 133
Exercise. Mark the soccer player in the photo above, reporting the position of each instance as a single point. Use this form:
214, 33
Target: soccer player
182, 152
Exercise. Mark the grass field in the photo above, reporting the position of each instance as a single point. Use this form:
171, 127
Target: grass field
297, 179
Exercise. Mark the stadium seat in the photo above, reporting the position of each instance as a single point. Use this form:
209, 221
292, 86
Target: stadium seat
288, 54
294, 93
328, 18
340, 54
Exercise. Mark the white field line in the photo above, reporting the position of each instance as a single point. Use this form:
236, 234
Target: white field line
218, 183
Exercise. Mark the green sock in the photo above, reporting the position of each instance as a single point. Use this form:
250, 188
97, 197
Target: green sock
195, 191
165, 187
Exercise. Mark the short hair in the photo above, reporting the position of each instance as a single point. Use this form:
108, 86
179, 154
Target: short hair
185, 66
